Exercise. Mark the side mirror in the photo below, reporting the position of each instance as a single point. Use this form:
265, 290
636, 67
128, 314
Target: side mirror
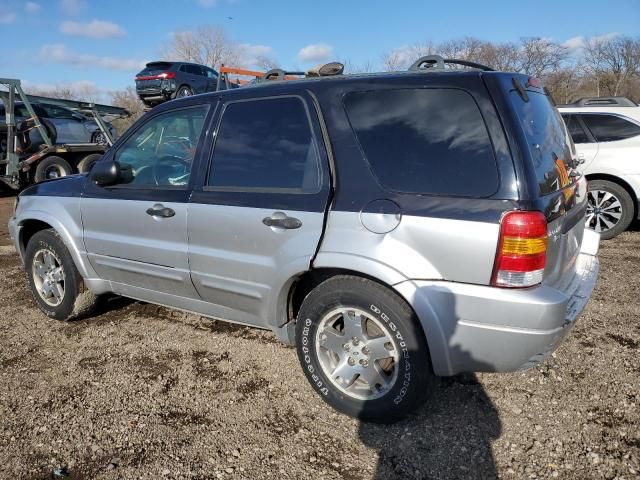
105, 172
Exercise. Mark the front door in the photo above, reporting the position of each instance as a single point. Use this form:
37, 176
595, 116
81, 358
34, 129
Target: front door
135, 232
256, 218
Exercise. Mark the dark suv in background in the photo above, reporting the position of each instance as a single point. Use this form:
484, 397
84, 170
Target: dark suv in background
162, 81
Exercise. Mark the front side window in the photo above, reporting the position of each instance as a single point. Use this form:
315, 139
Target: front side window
575, 129
161, 152
265, 144
210, 73
425, 141
609, 128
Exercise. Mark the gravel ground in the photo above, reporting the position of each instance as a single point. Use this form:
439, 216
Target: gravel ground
140, 391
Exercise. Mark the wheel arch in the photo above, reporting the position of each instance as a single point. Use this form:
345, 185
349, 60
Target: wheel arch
38, 221
302, 285
619, 181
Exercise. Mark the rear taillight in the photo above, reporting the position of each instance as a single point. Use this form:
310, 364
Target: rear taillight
162, 76
522, 250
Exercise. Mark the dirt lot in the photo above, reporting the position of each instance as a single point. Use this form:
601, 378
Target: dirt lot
144, 392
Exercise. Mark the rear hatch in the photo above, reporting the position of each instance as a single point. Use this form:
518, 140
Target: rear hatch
557, 189
149, 79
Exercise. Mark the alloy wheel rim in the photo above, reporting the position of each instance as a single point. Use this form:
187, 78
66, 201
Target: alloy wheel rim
604, 210
356, 353
48, 277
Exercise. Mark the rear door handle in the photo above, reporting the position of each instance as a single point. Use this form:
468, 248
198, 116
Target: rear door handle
282, 220
160, 211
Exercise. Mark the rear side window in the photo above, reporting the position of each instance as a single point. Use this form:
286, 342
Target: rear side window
425, 141
266, 144
575, 129
547, 140
609, 128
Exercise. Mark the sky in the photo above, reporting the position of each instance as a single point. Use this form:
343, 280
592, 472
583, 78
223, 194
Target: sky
104, 43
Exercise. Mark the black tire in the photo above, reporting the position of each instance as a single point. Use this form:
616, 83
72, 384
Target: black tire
76, 300
597, 218
52, 167
184, 91
383, 306
84, 165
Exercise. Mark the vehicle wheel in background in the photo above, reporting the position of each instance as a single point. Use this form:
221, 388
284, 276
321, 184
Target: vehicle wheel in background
54, 279
84, 165
52, 167
99, 138
610, 210
184, 91
362, 349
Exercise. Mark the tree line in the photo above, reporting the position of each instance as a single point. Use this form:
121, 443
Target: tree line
607, 65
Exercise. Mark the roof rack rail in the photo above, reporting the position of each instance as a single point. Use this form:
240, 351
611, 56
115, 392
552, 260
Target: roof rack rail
436, 62
602, 102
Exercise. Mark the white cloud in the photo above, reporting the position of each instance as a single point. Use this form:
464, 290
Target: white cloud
574, 43
579, 42
315, 52
207, 3
32, 7
7, 17
250, 55
93, 29
73, 7
57, 53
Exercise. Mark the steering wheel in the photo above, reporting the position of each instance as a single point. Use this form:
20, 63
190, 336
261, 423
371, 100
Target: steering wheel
184, 143
168, 163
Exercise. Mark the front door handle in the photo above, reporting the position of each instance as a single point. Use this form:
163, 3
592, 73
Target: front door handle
159, 210
282, 220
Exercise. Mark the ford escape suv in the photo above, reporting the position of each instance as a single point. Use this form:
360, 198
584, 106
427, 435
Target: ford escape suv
394, 227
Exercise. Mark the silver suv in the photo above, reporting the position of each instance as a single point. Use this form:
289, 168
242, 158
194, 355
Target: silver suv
394, 227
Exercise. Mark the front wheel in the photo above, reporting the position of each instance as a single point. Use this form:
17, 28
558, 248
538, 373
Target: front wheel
610, 209
54, 279
362, 350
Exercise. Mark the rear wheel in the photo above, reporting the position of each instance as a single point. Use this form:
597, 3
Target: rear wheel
52, 167
85, 165
184, 91
54, 279
610, 210
362, 350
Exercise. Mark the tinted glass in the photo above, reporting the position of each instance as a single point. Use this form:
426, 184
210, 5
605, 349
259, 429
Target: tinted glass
547, 139
21, 111
210, 73
608, 128
575, 129
155, 69
161, 152
266, 144
430, 141
194, 70
53, 111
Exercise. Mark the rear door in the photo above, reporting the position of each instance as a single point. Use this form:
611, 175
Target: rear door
135, 232
559, 191
257, 216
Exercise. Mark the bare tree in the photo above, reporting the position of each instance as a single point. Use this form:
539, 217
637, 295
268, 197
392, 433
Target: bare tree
127, 98
613, 61
207, 45
540, 56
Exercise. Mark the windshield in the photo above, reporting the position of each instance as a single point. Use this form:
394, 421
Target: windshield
548, 141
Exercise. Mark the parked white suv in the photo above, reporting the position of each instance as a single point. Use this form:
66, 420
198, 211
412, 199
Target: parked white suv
606, 132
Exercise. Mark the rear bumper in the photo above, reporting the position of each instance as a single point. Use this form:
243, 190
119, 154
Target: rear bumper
472, 328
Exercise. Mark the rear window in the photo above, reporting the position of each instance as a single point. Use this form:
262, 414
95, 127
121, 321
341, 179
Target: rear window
425, 141
609, 128
155, 68
547, 140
